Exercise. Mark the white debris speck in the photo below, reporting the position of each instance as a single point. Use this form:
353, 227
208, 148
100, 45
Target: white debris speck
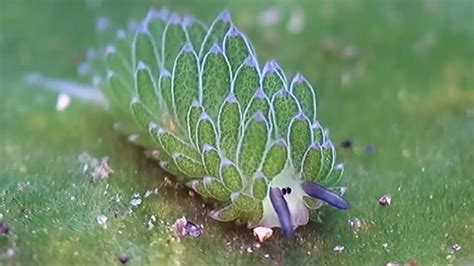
392, 263
262, 233
63, 101
102, 220
422, 169
136, 200
385, 245
338, 248
151, 222
148, 193
297, 21
267, 256
9, 253
249, 250
269, 17
257, 245
94, 168
179, 227
354, 224
455, 248
385, 200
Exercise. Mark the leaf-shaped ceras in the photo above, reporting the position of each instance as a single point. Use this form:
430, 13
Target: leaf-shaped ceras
241, 136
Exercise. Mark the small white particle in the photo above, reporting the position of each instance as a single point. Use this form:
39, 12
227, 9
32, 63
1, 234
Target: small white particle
102, 220
422, 169
63, 101
385, 200
338, 248
249, 250
455, 248
392, 263
151, 192
267, 256
354, 224
385, 245
136, 200
262, 233
9, 253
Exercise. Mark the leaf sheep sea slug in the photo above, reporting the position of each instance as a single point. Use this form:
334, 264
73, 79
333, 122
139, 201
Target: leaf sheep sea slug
240, 135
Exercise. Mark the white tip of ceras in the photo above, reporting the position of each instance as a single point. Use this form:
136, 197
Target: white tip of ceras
298, 79
164, 73
207, 148
327, 145
250, 61
216, 49
260, 94
231, 98
204, 116
225, 162
174, 19
224, 16
258, 116
282, 142
339, 166
233, 32
270, 67
152, 127
301, 116
141, 66
188, 47
188, 21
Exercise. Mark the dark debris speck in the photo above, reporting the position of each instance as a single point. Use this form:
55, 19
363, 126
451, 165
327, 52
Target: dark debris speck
346, 144
193, 229
4, 229
123, 258
370, 148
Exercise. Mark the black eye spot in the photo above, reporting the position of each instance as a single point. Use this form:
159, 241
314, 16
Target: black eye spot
288, 190
283, 190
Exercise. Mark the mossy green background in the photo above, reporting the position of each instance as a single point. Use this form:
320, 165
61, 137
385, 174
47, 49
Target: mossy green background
409, 92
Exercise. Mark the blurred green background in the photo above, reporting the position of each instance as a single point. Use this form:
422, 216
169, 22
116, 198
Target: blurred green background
395, 75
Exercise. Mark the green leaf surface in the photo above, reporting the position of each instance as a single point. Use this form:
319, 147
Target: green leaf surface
394, 77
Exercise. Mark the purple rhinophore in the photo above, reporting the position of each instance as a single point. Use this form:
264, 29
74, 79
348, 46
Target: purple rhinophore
193, 229
250, 61
164, 73
283, 92
281, 208
319, 192
121, 34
